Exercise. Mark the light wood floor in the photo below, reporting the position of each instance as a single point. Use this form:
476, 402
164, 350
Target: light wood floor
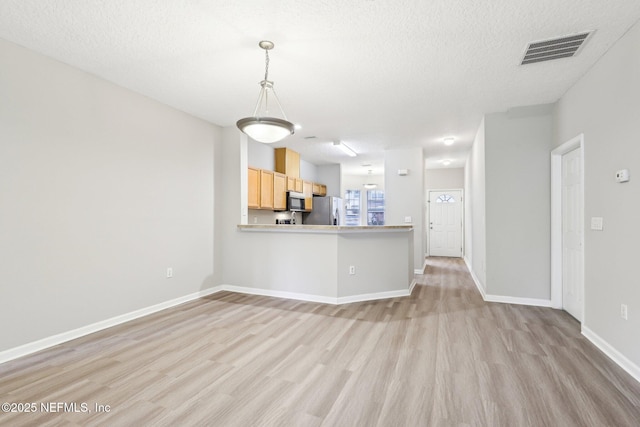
441, 357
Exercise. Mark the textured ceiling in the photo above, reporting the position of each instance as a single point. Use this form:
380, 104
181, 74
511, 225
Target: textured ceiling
376, 74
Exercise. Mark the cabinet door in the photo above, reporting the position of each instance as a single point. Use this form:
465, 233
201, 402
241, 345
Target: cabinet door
323, 190
307, 188
298, 185
316, 189
279, 192
291, 183
266, 189
254, 189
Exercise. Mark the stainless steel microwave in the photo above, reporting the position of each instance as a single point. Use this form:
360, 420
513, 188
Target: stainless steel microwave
295, 201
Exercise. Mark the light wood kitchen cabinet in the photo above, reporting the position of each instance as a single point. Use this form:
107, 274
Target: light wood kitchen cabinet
279, 192
287, 162
319, 189
307, 188
294, 184
266, 189
254, 189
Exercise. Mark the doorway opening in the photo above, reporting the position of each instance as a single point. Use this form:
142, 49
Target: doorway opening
567, 227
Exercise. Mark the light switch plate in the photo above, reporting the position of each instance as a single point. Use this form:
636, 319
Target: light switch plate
407, 219
596, 223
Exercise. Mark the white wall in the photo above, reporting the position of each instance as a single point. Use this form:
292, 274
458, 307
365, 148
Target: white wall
404, 195
101, 190
517, 202
605, 106
444, 178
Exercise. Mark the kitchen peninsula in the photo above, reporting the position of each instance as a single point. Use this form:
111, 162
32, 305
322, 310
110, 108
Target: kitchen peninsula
331, 264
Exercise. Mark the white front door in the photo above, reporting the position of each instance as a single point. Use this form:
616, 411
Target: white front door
445, 223
572, 234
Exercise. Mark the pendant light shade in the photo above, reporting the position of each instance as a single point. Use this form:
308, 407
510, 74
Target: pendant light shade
265, 129
261, 127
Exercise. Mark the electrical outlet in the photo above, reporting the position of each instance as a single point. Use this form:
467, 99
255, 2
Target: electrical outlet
169, 273
623, 311
352, 269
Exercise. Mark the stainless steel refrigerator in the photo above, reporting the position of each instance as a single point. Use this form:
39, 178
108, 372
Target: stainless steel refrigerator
326, 211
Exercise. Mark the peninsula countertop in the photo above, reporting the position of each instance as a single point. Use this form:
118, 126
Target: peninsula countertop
338, 229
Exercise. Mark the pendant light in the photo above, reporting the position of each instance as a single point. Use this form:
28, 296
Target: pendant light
370, 185
260, 126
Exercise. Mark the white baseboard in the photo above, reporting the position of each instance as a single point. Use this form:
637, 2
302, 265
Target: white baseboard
504, 299
418, 271
475, 279
612, 353
279, 294
518, 300
53, 340
319, 298
32, 347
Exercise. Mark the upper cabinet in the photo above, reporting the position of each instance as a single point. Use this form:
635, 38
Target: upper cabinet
266, 189
319, 189
287, 162
279, 192
254, 189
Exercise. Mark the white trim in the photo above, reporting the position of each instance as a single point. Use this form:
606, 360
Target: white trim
279, 294
504, 299
518, 300
320, 298
475, 278
418, 271
556, 219
32, 347
376, 296
612, 353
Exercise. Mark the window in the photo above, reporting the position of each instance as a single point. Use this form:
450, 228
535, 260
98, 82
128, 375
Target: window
445, 198
352, 207
375, 207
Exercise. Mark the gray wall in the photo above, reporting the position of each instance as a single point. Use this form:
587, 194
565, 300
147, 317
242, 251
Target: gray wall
605, 106
101, 190
444, 178
475, 231
404, 195
331, 176
517, 191
507, 183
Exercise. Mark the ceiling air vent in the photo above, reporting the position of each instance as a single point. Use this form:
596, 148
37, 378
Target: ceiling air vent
562, 47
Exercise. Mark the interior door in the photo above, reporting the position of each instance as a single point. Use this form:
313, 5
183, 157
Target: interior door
572, 234
445, 223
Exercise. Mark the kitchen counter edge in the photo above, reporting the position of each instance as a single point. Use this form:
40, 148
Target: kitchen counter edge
302, 228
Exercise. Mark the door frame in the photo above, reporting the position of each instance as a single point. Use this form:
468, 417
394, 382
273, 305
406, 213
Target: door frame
428, 215
556, 219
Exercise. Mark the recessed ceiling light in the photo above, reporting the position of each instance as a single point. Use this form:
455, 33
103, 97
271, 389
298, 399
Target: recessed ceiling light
449, 140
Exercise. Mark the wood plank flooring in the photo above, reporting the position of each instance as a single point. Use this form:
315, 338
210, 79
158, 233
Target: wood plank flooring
441, 357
